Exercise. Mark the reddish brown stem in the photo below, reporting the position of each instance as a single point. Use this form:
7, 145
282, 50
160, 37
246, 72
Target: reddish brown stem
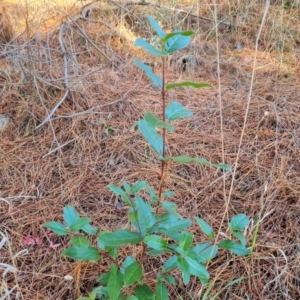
163, 163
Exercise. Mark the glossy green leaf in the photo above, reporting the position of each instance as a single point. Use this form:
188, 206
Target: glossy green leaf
138, 186
120, 238
145, 217
149, 48
224, 167
56, 227
90, 229
127, 262
152, 137
156, 122
184, 267
132, 274
156, 242
70, 215
205, 227
185, 240
174, 33
132, 297
126, 187
197, 270
168, 194
176, 42
170, 264
240, 237
85, 253
170, 207
176, 111
156, 80
205, 252
126, 200
187, 83
238, 222
79, 224
156, 27
168, 278
184, 159
143, 292
161, 292
234, 247
117, 190
80, 241
113, 251
104, 278
101, 291
114, 284
171, 223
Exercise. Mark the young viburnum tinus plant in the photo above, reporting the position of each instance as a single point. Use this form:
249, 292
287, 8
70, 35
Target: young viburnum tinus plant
157, 228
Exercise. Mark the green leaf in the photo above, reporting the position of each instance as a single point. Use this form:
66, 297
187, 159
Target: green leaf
104, 278
177, 42
149, 48
170, 207
119, 238
143, 292
184, 159
132, 297
185, 240
168, 278
168, 194
234, 247
145, 217
207, 230
56, 227
161, 292
204, 252
138, 186
238, 222
79, 224
174, 33
187, 83
156, 27
70, 215
184, 268
85, 253
156, 242
156, 80
156, 122
101, 290
114, 284
132, 274
122, 297
152, 137
171, 223
127, 262
176, 111
170, 264
117, 190
197, 270
224, 167
155, 252
80, 242
240, 237
113, 251
90, 229
126, 187
126, 200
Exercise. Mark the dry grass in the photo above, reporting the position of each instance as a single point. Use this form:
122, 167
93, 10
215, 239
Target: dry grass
71, 160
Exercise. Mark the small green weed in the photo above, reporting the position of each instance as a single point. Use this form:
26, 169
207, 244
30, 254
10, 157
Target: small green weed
158, 227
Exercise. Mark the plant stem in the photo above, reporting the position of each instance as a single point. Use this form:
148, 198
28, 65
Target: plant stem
163, 96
